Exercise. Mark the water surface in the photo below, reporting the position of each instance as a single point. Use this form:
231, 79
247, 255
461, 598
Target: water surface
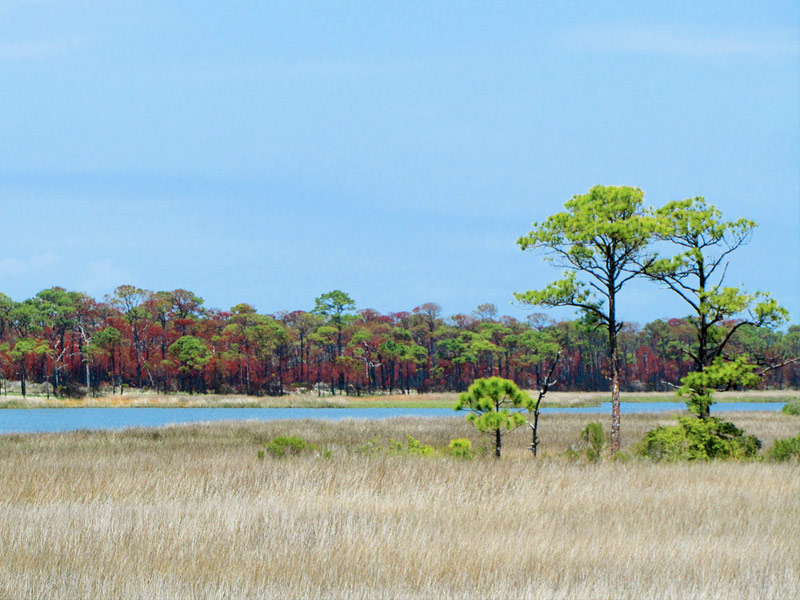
71, 419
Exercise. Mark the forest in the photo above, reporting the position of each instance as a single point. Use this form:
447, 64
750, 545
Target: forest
169, 341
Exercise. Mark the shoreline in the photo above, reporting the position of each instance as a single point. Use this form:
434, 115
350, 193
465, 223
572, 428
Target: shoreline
432, 400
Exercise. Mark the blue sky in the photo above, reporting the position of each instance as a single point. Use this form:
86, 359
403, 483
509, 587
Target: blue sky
270, 152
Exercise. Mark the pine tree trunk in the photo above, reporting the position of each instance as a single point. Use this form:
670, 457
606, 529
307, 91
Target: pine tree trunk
615, 419
613, 352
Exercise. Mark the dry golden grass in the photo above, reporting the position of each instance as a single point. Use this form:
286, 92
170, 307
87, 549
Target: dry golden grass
190, 512
136, 398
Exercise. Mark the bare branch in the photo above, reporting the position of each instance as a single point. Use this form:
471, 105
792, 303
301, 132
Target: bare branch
544, 386
723, 343
785, 363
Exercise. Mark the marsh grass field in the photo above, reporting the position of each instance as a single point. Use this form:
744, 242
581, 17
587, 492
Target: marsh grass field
192, 512
309, 400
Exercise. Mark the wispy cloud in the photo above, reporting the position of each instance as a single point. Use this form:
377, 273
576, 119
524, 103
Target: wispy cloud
100, 277
12, 267
38, 50
692, 43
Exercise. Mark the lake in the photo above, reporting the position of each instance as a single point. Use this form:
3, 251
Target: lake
14, 420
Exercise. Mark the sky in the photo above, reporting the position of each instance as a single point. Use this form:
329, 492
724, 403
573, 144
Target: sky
270, 152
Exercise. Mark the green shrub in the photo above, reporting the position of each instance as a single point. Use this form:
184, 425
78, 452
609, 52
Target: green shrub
792, 407
785, 449
286, 445
590, 445
417, 448
461, 447
371, 448
593, 436
412, 446
396, 447
698, 439
622, 456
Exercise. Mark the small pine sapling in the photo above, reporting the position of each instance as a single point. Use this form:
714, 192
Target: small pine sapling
495, 405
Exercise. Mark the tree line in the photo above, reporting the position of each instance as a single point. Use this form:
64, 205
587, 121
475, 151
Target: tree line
170, 341
603, 239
